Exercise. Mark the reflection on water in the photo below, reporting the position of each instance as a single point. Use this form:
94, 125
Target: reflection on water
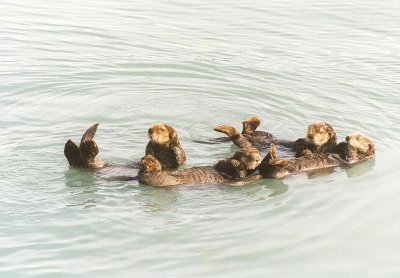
79, 177
278, 187
360, 169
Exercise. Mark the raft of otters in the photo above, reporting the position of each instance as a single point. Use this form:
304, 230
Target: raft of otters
164, 155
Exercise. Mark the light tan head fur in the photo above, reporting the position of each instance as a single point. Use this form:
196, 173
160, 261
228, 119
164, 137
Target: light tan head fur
162, 134
149, 164
321, 133
250, 157
361, 143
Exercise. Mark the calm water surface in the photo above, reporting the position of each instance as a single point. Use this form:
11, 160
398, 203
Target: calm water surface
65, 65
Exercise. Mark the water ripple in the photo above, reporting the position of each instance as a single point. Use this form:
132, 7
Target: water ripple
68, 64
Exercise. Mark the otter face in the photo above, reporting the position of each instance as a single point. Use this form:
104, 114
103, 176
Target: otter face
250, 124
250, 157
162, 134
149, 164
321, 133
361, 143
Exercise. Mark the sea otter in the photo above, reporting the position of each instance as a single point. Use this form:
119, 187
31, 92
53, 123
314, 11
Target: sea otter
164, 145
321, 138
357, 148
243, 163
256, 137
240, 165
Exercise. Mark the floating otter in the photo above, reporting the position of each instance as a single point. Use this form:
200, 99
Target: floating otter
363, 148
151, 173
357, 148
243, 163
85, 154
321, 138
164, 145
240, 165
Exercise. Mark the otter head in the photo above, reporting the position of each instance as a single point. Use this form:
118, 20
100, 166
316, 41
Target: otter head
363, 144
250, 124
149, 165
250, 157
164, 135
321, 134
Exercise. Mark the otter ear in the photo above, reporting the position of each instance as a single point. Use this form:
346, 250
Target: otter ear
173, 137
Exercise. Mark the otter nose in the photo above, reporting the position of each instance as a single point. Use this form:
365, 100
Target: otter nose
150, 131
347, 138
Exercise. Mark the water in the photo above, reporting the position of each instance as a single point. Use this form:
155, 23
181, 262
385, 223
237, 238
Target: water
68, 64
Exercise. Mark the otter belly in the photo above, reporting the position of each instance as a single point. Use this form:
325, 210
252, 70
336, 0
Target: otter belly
194, 175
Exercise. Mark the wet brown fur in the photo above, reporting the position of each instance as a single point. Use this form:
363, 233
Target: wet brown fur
357, 148
243, 163
255, 137
164, 145
321, 138
151, 174
85, 154
362, 147
237, 138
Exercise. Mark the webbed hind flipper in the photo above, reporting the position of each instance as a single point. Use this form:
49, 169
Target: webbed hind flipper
89, 150
237, 138
228, 130
89, 133
250, 124
73, 154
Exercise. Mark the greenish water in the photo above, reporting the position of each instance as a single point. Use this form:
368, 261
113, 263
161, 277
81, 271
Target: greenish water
127, 64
